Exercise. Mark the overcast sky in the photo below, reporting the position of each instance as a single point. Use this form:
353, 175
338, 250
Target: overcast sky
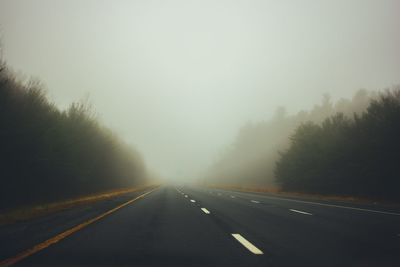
178, 78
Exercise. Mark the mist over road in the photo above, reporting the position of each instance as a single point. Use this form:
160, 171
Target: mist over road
196, 226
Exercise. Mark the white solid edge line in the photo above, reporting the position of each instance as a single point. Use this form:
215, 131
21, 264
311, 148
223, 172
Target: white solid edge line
253, 249
328, 205
192, 200
206, 211
255, 201
299, 211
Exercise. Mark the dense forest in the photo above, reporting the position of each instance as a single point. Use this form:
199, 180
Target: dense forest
345, 148
251, 160
47, 154
355, 155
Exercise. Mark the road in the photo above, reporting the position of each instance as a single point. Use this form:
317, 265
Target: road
196, 226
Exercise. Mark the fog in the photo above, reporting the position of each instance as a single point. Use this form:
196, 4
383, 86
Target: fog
178, 79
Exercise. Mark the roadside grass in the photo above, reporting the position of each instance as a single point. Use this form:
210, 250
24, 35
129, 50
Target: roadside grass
276, 191
30, 212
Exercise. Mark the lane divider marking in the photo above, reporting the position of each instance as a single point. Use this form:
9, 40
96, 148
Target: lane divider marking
328, 205
232, 196
206, 211
301, 212
192, 200
59, 237
186, 195
253, 249
255, 201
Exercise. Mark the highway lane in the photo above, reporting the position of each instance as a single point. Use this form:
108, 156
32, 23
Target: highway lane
309, 233
21, 235
162, 229
193, 226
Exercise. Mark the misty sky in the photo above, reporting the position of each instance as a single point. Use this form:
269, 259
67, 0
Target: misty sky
178, 78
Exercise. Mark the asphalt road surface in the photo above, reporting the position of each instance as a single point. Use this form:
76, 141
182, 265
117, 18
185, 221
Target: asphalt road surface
195, 226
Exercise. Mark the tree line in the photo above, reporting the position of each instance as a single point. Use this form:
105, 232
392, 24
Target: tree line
347, 155
251, 159
48, 154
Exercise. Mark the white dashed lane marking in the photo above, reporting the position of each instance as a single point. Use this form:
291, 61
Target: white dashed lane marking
301, 212
205, 210
192, 200
255, 201
253, 249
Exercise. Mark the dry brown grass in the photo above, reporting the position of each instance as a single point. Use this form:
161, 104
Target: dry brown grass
31, 212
